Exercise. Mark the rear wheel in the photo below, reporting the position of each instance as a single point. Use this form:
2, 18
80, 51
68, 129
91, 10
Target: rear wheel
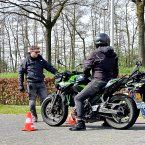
127, 112
58, 115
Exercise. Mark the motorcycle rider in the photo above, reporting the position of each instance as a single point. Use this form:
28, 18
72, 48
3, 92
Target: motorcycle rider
103, 62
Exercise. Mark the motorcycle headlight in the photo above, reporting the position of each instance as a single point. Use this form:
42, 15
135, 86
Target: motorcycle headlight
80, 78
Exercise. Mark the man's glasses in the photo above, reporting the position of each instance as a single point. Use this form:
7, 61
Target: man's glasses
37, 52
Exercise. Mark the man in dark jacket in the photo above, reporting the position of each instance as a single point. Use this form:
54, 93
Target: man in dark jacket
32, 66
104, 65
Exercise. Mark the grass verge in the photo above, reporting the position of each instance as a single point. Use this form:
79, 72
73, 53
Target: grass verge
15, 75
16, 109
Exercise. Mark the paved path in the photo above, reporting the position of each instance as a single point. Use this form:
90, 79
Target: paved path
11, 134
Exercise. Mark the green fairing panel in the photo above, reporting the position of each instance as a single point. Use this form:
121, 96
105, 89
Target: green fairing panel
72, 78
69, 81
64, 83
82, 86
112, 81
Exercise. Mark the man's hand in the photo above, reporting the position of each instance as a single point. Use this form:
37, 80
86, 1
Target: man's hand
57, 75
21, 88
87, 75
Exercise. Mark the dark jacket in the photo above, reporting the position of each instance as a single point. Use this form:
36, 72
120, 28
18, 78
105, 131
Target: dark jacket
33, 69
103, 62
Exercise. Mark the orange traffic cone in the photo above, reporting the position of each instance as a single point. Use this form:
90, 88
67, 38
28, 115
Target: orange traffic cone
71, 119
29, 124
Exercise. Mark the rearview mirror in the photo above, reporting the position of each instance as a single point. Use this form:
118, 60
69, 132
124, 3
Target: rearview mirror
59, 62
138, 62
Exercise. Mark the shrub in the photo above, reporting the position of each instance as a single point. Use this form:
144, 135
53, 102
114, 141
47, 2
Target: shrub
10, 94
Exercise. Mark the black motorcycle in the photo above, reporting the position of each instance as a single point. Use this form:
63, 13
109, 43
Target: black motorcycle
136, 88
118, 109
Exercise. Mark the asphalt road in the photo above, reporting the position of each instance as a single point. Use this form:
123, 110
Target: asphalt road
11, 134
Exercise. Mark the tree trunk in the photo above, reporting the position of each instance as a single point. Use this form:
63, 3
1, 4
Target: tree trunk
0, 46
128, 37
64, 47
48, 44
73, 39
141, 27
56, 41
132, 43
10, 49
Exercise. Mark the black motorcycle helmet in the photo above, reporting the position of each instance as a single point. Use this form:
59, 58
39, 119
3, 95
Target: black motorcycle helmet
102, 39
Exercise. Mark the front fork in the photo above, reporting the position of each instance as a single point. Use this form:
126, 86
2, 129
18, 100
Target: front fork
53, 102
65, 99
54, 99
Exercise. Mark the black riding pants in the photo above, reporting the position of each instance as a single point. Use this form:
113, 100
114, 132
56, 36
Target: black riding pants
88, 92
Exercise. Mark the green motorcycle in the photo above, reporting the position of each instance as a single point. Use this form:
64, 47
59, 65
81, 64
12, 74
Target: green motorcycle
54, 109
119, 110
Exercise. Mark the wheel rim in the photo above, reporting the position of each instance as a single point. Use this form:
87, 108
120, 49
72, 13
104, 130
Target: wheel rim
56, 114
123, 115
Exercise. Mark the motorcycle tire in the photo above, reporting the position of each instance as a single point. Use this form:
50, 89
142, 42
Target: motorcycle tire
59, 114
128, 109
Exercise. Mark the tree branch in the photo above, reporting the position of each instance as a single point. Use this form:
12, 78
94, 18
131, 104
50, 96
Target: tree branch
58, 12
22, 14
25, 9
73, 26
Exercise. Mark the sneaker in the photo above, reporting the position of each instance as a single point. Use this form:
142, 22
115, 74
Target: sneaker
80, 126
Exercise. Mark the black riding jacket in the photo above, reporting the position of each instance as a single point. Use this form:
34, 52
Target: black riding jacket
103, 62
33, 69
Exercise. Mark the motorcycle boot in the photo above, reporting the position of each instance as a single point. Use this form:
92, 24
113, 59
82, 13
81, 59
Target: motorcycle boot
80, 126
105, 124
35, 118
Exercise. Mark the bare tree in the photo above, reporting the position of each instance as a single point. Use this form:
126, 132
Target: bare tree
0, 41
80, 33
43, 11
15, 37
128, 34
140, 4
10, 48
73, 30
56, 45
64, 35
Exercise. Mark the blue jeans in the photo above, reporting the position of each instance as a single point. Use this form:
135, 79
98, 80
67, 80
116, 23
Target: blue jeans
89, 91
34, 90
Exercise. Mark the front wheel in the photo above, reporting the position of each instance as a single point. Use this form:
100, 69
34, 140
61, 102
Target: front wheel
56, 116
127, 112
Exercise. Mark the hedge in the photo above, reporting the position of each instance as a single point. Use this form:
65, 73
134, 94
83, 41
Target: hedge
10, 94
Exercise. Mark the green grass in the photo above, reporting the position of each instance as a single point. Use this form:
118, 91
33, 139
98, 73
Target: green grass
126, 70
8, 75
122, 70
15, 75
15, 109
48, 74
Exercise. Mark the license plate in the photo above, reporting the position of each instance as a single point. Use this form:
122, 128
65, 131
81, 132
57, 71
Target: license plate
138, 97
